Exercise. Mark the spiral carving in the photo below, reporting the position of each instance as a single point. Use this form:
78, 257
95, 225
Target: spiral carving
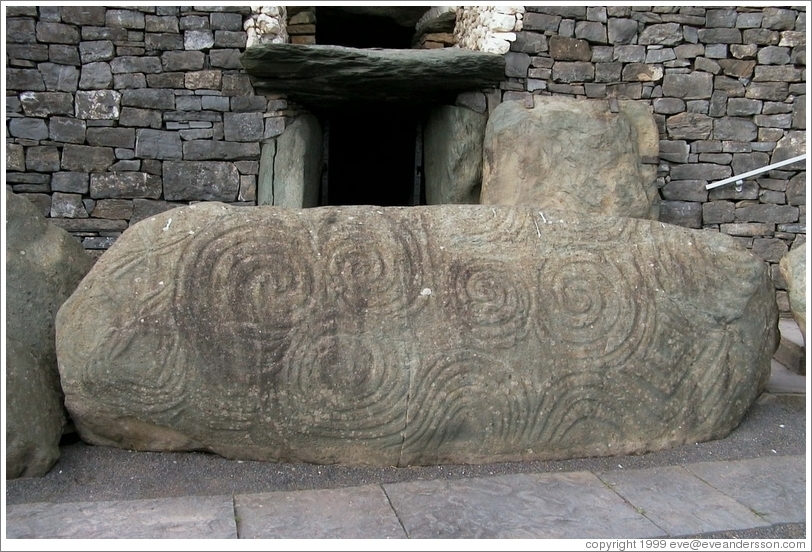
339, 386
466, 399
493, 301
260, 291
594, 308
372, 266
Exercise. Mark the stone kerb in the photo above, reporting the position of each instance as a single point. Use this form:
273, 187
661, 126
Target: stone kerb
518, 336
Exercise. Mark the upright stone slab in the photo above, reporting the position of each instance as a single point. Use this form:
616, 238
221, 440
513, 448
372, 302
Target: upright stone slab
44, 264
452, 149
422, 335
793, 269
572, 154
290, 166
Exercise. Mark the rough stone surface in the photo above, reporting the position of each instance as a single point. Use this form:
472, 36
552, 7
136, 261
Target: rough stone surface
327, 74
453, 138
793, 269
44, 264
571, 154
306, 335
200, 181
290, 167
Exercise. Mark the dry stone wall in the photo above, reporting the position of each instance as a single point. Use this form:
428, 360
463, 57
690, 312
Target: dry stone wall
115, 114
728, 89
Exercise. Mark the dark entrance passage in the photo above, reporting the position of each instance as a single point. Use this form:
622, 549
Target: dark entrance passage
372, 157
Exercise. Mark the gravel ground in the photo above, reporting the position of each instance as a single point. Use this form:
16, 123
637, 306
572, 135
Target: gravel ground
775, 425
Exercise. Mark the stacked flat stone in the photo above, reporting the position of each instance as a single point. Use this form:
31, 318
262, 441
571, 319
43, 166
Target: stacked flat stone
487, 28
115, 114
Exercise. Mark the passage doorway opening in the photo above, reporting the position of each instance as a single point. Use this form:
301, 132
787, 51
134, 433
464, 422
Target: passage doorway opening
372, 156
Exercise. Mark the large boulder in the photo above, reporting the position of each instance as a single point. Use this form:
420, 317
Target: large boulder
572, 154
793, 269
44, 264
408, 336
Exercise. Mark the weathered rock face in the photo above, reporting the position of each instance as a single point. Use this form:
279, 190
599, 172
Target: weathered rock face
453, 139
328, 75
572, 154
44, 264
793, 269
290, 166
404, 336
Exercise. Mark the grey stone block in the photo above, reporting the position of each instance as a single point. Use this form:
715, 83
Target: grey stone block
96, 50
569, 49
128, 19
721, 18
126, 165
182, 61
767, 213
129, 80
24, 79
743, 107
734, 128
20, 30
591, 31
58, 33
166, 80
749, 20
782, 120
700, 171
210, 79
117, 209
62, 53
131, 116
67, 206
225, 21
42, 159
72, 182
660, 55
355, 513
630, 54
204, 181
86, 158
665, 34
778, 19
237, 84
198, 150
215, 103
516, 64
541, 22
190, 103
746, 162
230, 39
161, 24
148, 98
117, 137
32, 52
117, 35
84, 15
689, 86
689, 126
230, 58
198, 40
193, 23
622, 31
243, 104
185, 518
679, 502
769, 249
774, 55
136, 64
685, 190
776, 91
720, 36
529, 43
45, 104
471, 508
716, 212
15, 158
96, 76
98, 104
608, 72
58, 77
163, 41
158, 144
675, 151
573, 71
124, 185
28, 128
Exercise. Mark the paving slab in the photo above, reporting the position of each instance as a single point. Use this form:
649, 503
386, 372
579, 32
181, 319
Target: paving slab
529, 506
349, 513
775, 488
162, 518
679, 502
